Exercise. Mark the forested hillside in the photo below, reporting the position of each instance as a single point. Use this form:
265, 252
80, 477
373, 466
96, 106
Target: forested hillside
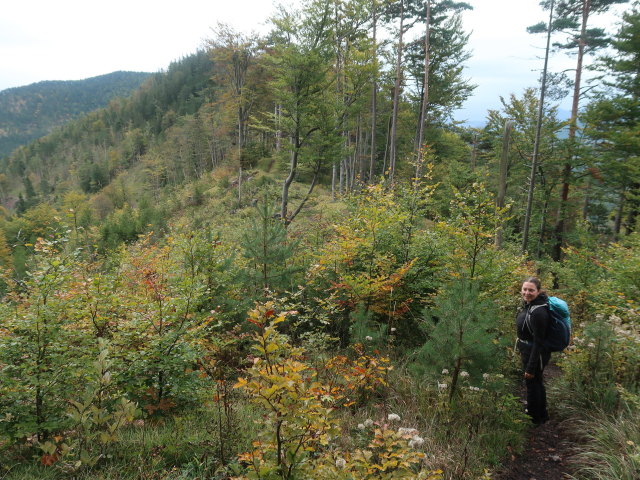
30, 112
281, 259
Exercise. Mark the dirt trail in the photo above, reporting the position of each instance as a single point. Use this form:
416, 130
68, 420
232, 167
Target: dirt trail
547, 451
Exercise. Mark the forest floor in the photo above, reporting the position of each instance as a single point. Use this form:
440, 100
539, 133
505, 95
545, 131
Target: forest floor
547, 452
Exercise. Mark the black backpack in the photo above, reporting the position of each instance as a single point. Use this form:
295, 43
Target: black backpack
559, 330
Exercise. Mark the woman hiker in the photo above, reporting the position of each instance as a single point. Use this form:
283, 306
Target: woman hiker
531, 324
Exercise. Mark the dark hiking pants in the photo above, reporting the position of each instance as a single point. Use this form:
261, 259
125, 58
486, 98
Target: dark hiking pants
536, 393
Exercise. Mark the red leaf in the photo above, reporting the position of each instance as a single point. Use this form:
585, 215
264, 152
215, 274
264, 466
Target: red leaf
48, 460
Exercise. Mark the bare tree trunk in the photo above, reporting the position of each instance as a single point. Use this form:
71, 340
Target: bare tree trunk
386, 147
573, 126
333, 182
289, 180
364, 141
502, 183
617, 224
396, 98
587, 200
374, 96
425, 88
240, 185
474, 152
633, 210
306, 197
536, 142
278, 132
543, 222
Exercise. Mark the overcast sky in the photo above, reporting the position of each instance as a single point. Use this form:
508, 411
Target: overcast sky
76, 39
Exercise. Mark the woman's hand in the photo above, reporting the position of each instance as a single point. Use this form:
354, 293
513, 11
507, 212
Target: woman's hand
528, 376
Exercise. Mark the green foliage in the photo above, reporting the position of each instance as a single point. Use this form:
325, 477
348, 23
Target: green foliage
611, 120
622, 261
35, 110
599, 371
388, 278
368, 259
298, 408
483, 416
300, 420
447, 88
37, 368
164, 290
96, 419
461, 334
268, 250
470, 232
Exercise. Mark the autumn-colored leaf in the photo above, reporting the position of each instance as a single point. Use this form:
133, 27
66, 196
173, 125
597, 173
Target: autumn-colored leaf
48, 460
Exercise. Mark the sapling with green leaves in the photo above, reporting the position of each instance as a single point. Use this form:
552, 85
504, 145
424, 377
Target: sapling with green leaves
38, 370
165, 289
96, 418
298, 409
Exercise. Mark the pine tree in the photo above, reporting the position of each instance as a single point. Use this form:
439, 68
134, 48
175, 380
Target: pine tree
459, 329
573, 19
613, 121
268, 250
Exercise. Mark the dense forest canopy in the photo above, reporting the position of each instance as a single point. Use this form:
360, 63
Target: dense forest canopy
267, 251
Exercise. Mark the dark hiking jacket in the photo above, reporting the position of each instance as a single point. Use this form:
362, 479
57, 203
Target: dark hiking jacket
533, 330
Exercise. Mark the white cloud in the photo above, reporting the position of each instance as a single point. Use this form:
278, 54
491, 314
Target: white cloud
72, 39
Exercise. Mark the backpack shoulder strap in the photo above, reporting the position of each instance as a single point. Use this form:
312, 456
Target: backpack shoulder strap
527, 318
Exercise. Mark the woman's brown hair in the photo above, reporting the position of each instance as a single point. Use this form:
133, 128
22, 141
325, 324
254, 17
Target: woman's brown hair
535, 281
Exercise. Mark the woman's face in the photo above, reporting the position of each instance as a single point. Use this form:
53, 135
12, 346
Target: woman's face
529, 291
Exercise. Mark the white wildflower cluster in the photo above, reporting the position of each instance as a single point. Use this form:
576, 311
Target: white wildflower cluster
627, 331
393, 417
445, 372
368, 423
442, 386
416, 441
464, 374
393, 329
474, 389
486, 376
368, 338
341, 462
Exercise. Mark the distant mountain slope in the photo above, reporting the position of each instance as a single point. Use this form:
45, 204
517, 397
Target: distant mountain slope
32, 111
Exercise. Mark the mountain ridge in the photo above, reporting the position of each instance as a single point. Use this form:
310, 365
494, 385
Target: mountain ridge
32, 111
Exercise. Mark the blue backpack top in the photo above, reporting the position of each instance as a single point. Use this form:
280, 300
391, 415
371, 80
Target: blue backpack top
559, 330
